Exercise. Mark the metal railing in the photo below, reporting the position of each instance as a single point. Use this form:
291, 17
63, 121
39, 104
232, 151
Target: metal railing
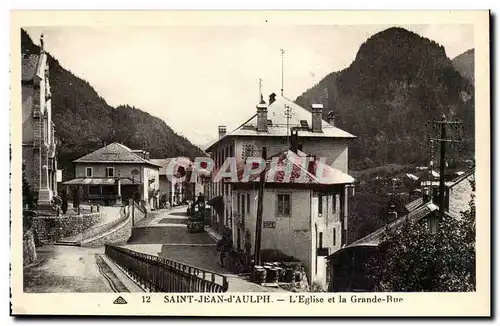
159, 274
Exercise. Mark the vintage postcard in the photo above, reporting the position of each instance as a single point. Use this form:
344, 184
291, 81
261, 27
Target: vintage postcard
250, 163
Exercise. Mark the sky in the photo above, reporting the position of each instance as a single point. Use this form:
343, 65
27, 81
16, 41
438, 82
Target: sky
197, 78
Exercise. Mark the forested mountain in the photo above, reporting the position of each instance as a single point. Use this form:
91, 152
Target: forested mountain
464, 64
84, 121
395, 85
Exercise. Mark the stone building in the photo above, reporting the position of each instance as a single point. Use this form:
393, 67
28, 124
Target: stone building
114, 173
303, 215
38, 138
270, 126
176, 184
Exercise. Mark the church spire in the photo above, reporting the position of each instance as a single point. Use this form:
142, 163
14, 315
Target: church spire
42, 49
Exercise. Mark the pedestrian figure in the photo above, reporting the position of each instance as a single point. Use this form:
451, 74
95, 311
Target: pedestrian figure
224, 245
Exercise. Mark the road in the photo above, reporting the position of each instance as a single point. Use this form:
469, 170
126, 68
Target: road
75, 269
70, 269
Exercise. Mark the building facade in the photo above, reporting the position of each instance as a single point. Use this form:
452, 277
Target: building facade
179, 188
303, 217
38, 136
270, 127
115, 173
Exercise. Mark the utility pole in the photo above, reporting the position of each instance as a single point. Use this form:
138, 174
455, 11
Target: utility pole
258, 225
443, 124
431, 167
133, 203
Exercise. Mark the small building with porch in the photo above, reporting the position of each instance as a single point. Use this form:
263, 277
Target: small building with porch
113, 174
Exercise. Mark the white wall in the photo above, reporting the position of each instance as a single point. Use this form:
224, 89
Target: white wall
292, 235
325, 226
460, 196
334, 150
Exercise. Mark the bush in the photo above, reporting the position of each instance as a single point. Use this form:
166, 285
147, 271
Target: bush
414, 259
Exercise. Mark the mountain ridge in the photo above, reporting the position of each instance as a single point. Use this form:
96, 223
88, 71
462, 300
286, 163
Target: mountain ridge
85, 122
464, 64
397, 82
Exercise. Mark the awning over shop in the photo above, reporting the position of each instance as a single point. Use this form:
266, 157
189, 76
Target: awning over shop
101, 181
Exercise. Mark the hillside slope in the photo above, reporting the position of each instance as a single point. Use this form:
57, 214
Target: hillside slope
84, 121
396, 84
464, 64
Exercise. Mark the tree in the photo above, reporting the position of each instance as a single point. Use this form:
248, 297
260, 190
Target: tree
412, 259
28, 201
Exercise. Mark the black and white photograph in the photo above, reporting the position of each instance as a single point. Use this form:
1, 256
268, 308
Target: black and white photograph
331, 160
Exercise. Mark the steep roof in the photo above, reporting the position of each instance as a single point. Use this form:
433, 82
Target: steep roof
452, 183
114, 153
462, 177
414, 204
278, 126
375, 238
304, 170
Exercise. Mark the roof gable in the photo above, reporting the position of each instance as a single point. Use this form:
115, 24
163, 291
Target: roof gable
277, 123
375, 238
113, 153
301, 171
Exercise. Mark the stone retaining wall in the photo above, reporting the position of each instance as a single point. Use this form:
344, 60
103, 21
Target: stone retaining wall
118, 236
48, 229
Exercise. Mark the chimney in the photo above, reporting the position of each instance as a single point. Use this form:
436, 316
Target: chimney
262, 117
311, 166
294, 140
317, 112
272, 98
222, 131
147, 155
331, 118
392, 214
